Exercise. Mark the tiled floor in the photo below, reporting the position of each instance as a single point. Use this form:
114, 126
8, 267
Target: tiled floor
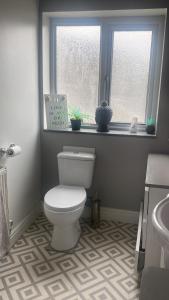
101, 268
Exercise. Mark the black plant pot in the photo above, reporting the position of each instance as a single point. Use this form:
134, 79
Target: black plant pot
76, 124
150, 129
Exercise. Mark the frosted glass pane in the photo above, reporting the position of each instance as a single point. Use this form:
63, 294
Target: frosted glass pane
78, 51
130, 69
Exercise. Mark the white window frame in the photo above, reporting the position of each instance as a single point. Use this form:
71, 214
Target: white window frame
108, 25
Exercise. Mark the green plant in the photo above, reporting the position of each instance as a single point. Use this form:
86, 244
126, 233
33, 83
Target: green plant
150, 121
76, 114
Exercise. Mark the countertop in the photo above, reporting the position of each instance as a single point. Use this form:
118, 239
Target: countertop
157, 174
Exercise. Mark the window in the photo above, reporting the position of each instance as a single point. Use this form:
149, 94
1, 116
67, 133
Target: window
113, 59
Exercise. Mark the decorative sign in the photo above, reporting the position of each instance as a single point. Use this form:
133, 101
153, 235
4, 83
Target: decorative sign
56, 111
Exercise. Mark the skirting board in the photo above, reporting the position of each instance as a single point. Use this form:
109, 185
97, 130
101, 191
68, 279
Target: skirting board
23, 225
112, 214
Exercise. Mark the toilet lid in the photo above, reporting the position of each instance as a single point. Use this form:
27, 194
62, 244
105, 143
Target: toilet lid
65, 198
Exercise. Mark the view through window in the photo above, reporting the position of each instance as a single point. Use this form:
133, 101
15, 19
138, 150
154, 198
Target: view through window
130, 73
77, 67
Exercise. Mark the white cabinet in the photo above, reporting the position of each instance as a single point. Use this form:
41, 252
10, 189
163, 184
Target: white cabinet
148, 250
145, 215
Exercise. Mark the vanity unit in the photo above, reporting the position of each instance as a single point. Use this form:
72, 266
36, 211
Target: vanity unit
148, 250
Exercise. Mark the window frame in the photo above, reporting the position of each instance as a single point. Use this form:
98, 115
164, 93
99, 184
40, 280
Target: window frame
108, 25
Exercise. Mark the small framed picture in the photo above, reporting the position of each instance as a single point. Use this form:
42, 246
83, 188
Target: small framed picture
56, 111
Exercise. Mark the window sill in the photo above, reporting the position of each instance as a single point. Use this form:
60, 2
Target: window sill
109, 133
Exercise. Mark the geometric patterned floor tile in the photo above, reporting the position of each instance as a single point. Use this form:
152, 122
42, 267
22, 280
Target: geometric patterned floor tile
100, 268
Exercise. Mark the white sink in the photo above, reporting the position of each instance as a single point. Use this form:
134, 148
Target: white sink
160, 219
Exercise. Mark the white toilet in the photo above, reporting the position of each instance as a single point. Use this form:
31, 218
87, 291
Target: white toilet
64, 204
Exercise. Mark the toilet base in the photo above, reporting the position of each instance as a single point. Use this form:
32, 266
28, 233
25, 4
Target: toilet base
65, 238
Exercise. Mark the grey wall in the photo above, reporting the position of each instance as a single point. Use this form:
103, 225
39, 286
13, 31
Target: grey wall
121, 161
19, 109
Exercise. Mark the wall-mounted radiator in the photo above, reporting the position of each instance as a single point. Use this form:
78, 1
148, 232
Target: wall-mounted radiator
4, 213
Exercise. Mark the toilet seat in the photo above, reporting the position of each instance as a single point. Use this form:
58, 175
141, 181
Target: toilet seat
65, 198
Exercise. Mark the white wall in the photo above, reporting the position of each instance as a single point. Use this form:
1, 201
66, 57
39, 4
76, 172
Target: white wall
19, 108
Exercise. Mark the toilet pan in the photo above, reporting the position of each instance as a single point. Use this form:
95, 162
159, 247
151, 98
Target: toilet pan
63, 206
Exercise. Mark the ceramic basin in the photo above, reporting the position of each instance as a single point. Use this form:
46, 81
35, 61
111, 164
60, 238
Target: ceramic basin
160, 219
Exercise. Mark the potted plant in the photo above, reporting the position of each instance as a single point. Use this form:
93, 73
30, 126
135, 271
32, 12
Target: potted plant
75, 119
150, 126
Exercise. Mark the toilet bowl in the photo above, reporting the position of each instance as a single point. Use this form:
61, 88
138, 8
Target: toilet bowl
63, 206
